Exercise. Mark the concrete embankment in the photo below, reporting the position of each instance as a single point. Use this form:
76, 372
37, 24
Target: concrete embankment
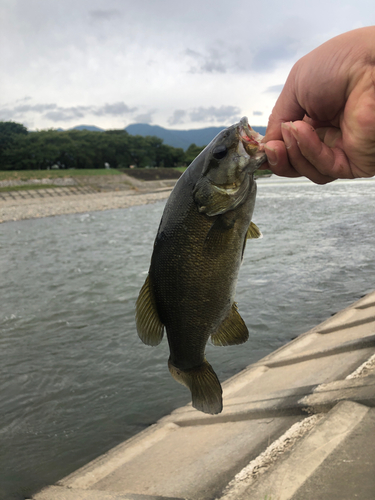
95, 194
298, 424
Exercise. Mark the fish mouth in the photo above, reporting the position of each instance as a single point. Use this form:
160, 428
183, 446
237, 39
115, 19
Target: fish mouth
250, 139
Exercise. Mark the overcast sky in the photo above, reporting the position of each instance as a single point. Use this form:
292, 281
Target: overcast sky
178, 64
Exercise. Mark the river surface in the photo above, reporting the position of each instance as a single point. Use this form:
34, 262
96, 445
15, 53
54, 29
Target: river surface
75, 378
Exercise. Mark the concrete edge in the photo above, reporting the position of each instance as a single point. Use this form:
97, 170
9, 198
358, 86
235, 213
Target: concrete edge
95, 470
368, 299
307, 452
62, 493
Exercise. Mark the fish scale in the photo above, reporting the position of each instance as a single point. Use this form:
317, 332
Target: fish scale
196, 258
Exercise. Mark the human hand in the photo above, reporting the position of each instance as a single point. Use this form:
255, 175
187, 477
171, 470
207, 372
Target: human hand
323, 124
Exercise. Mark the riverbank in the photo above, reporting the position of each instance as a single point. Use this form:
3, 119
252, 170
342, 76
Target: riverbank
95, 193
28, 198
298, 424
58, 202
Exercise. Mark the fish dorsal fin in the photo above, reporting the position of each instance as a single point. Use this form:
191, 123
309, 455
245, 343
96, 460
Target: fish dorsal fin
232, 330
150, 328
253, 232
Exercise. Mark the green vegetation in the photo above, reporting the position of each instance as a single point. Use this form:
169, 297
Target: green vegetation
25, 187
25, 175
82, 149
192, 152
51, 153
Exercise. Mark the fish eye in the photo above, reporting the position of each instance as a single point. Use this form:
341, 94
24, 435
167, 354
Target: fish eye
219, 152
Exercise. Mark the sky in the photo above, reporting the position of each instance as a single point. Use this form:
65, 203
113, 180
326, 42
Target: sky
178, 64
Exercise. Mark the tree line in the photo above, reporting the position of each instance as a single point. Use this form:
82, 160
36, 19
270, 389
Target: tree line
21, 149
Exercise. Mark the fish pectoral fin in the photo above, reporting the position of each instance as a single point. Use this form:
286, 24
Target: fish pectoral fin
219, 234
253, 232
149, 327
206, 391
232, 330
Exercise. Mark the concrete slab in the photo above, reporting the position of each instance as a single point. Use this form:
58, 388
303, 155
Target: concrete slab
308, 372
361, 312
283, 481
319, 345
348, 472
194, 462
188, 454
61, 493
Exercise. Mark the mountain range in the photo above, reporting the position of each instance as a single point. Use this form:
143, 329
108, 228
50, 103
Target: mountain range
172, 137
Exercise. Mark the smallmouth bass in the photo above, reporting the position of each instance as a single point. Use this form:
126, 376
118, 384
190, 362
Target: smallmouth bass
197, 254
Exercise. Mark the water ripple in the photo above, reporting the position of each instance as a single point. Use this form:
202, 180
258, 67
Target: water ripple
76, 380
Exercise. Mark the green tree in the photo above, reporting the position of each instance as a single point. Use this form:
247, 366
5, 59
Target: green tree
82, 149
9, 131
192, 152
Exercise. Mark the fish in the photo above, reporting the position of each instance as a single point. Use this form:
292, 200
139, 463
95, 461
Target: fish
198, 250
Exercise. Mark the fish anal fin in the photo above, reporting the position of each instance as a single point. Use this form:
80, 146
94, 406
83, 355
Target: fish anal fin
149, 327
253, 232
232, 330
206, 391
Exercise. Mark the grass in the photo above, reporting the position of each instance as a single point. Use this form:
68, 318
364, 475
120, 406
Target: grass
25, 175
27, 187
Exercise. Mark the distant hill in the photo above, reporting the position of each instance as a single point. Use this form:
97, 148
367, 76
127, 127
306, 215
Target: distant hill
92, 128
171, 137
180, 138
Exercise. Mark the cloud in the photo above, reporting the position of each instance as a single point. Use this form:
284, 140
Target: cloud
115, 109
274, 88
214, 114
67, 114
20, 110
144, 117
222, 56
287, 41
258, 113
220, 114
178, 117
55, 113
212, 62
36, 108
104, 15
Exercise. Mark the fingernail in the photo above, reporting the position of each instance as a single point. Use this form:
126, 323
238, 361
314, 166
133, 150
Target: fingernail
287, 136
294, 131
271, 155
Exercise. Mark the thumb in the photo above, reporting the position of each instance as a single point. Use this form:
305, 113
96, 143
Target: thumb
286, 109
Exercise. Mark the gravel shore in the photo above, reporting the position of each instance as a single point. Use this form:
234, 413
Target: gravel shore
20, 209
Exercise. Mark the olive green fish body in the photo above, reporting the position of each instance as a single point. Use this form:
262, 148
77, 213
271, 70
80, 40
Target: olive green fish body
194, 267
193, 274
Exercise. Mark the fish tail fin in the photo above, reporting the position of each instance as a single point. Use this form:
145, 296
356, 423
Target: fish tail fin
206, 391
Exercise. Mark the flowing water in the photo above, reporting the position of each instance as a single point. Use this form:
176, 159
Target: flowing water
75, 378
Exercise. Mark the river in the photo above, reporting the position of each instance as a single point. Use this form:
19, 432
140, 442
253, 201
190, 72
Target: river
75, 378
